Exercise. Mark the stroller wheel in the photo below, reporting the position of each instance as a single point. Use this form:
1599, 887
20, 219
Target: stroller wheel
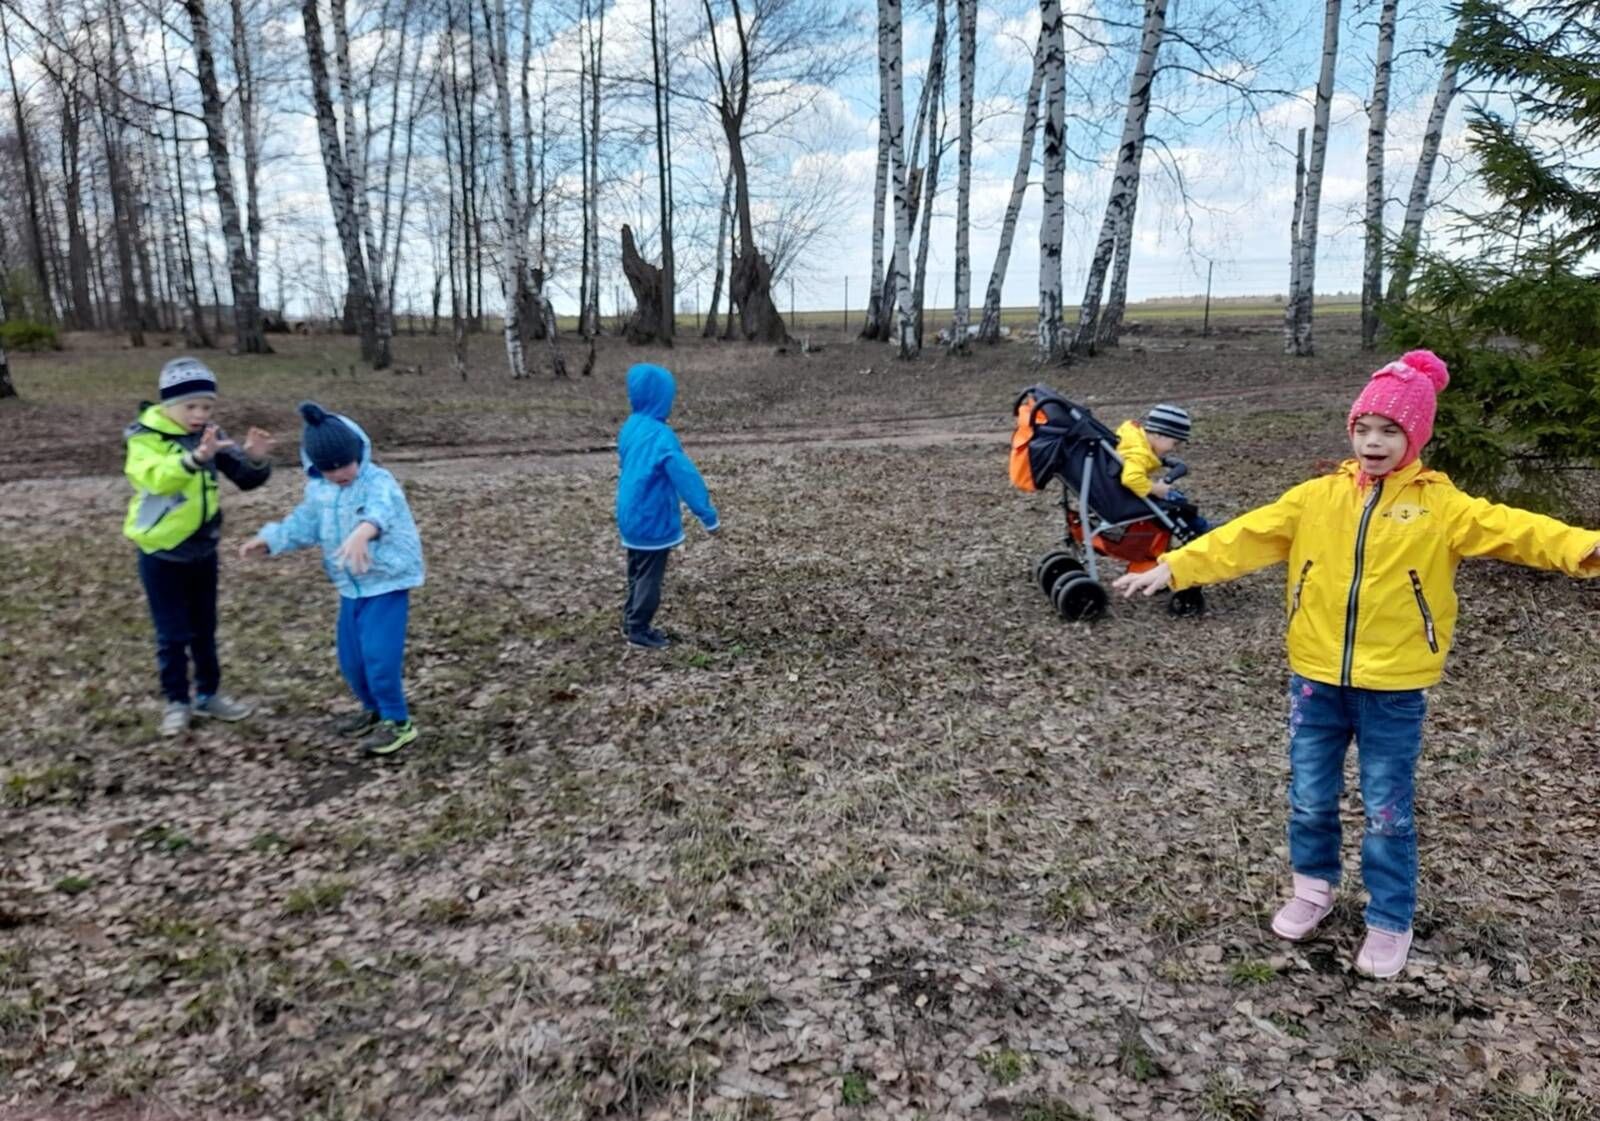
1190, 601
1052, 567
1078, 598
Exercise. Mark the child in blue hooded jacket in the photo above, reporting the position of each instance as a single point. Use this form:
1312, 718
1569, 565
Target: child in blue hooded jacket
656, 478
357, 514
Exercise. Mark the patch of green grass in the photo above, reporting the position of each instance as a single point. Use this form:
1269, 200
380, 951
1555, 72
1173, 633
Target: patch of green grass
167, 838
16, 1017
446, 911
460, 819
317, 898
1357, 1059
1067, 906
1251, 973
14, 966
1049, 1109
854, 1090
74, 885
809, 898
1558, 1099
270, 841
1289, 1026
1135, 1059
1226, 1098
748, 1004
57, 782
1006, 1066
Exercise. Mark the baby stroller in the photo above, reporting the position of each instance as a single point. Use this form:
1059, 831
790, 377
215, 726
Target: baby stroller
1056, 439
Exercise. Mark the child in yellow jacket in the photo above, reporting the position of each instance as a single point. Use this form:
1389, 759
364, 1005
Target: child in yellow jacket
1372, 551
1144, 447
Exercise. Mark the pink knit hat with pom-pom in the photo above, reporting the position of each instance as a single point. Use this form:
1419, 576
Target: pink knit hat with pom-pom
1404, 391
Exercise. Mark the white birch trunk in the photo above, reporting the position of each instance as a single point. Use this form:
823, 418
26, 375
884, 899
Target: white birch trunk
1303, 343
513, 248
1109, 333
1405, 257
891, 52
355, 151
1052, 346
930, 182
967, 50
1116, 226
1377, 134
709, 331
1291, 306
872, 325
989, 325
341, 187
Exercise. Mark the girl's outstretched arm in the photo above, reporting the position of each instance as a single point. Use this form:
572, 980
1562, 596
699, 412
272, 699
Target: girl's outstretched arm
1480, 528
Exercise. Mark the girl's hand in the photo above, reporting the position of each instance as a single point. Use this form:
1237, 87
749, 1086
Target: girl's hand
255, 547
258, 444
211, 442
1147, 582
353, 554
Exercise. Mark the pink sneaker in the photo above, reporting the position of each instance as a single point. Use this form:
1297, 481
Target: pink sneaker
1383, 954
1313, 900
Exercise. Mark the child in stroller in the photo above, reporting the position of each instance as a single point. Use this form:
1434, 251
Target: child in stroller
1146, 448
1056, 439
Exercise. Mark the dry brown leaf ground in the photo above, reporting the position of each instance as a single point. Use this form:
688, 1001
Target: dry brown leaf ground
879, 837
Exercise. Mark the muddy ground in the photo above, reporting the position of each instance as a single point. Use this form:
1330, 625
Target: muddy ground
879, 837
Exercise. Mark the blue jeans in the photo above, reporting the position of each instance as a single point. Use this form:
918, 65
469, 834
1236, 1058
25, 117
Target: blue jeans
183, 606
372, 651
1387, 727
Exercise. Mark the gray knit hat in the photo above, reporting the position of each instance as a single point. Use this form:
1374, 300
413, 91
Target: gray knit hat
329, 443
1168, 420
183, 378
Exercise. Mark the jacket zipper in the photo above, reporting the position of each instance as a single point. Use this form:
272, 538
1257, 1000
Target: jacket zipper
1427, 615
1353, 607
1299, 587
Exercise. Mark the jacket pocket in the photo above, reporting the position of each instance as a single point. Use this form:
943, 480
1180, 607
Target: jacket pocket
1299, 588
1427, 615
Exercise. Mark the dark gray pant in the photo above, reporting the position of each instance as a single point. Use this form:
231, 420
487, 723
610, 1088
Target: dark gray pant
647, 568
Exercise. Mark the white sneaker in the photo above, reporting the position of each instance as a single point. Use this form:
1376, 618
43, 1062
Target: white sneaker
220, 706
174, 719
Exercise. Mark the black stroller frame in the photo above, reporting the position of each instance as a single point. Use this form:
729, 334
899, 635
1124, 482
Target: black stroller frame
1070, 574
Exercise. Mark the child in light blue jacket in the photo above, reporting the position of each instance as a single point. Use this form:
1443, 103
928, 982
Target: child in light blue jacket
356, 513
656, 478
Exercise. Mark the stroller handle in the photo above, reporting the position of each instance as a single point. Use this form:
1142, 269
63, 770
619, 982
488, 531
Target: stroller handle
1176, 469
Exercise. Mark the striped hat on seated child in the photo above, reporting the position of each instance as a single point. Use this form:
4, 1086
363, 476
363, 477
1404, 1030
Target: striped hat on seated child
1168, 420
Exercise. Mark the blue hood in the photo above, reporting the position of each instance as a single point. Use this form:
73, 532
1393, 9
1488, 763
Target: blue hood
651, 390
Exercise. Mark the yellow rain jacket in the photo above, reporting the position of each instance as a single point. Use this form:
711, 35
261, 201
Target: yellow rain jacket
1139, 459
176, 511
1370, 596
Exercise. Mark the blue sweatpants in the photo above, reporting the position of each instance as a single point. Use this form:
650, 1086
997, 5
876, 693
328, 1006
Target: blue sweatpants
372, 650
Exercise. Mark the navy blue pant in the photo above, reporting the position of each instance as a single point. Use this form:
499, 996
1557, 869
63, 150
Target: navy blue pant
372, 651
647, 568
183, 606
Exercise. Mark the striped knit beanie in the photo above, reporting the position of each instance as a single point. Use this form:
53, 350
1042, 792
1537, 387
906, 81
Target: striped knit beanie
183, 378
1168, 420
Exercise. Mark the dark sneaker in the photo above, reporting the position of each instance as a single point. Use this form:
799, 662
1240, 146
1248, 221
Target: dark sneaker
389, 737
356, 724
220, 706
649, 640
174, 719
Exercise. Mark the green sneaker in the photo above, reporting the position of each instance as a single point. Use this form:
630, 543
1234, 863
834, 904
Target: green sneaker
356, 724
389, 737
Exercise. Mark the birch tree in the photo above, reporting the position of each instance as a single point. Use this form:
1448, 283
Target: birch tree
967, 20
513, 245
1052, 346
1116, 228
1377, 134
1405, 255
7, 386
1301, 342
872, 324
891, 55
709, 330
930, 184
662, 64
1109, 333
341, 189
1291, 307
30, 181
242, 269
989, 324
